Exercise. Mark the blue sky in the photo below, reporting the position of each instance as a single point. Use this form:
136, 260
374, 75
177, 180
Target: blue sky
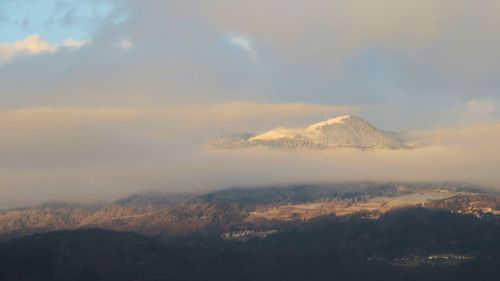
54, 20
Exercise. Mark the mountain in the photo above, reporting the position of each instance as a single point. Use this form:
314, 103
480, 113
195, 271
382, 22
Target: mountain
242, 213
341, 132
345, 231
406, 244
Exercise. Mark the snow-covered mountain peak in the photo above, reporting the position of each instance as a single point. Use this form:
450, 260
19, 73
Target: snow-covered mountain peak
347, 122
345, 131
331, 121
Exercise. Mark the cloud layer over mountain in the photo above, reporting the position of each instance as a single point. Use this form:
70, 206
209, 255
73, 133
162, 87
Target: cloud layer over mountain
99, 154
102, 98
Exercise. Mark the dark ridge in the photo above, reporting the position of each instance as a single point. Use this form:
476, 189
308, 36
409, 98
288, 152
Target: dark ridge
294, 194
347, 248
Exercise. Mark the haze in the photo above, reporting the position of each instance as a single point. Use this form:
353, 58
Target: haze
100, 99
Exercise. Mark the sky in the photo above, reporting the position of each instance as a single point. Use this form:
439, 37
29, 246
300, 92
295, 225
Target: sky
102, 98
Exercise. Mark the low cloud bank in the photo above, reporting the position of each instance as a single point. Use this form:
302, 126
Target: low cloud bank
89, 154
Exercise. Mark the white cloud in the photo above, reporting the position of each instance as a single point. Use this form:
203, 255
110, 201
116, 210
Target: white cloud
242, 43
33, 45
74, 44
476, 111
480, 107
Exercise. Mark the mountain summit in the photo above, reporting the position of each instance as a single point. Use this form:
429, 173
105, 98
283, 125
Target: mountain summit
341, 132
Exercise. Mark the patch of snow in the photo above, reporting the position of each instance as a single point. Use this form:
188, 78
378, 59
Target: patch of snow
275, 134
336, 120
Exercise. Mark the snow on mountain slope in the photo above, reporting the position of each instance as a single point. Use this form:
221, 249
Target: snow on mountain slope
350, 131
341, 132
